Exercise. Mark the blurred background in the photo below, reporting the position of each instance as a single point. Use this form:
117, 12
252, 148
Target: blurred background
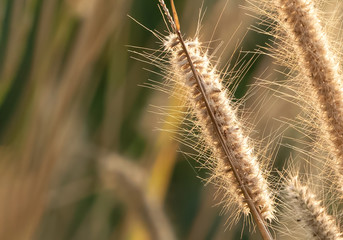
83, 154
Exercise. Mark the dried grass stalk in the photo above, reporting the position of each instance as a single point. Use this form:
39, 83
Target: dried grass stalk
236, 165
320, 66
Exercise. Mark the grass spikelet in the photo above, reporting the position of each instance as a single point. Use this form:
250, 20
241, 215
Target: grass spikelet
305, 43
240, 150
304, 208
235, 164
319, 65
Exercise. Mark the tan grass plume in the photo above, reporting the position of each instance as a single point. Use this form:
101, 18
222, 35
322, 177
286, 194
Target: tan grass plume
236, 165
308, 212
320, 66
